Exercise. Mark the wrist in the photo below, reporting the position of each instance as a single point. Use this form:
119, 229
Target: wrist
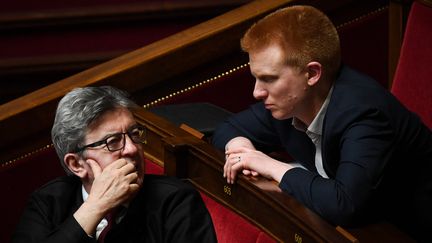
88, 217
93, 209
279, 171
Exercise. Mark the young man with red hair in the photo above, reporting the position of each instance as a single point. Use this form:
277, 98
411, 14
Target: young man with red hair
358, 151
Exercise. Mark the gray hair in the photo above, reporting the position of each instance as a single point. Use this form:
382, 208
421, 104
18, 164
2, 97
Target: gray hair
77, 110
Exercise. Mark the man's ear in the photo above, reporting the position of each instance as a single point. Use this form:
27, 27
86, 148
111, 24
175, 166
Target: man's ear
314, 71
75, 164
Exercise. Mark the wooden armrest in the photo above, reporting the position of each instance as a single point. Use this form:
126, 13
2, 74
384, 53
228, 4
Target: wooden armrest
192, 131
347, 234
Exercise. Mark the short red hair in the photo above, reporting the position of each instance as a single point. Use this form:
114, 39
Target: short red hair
304, 33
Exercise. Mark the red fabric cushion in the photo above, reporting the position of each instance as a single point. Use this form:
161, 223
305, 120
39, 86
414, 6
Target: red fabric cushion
232, 228
153, 168
412, 84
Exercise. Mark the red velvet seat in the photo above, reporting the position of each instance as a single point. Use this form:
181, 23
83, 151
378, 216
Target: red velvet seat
412, 83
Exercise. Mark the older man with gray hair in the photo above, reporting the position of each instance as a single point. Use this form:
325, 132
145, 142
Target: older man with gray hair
106, 197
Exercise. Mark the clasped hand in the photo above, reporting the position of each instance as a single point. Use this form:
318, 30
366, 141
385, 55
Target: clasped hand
249, 161
241, 155
114, 185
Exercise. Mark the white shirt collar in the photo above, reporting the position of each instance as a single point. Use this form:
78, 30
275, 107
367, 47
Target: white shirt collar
317, 123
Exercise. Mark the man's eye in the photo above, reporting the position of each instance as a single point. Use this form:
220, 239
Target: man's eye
136, 132
269, 79
114, 140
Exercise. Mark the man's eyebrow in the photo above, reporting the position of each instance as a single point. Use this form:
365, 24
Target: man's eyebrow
114, 133
135, 125
265, 77
108, 135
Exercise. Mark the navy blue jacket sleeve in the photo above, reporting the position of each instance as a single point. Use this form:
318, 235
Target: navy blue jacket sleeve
253, 123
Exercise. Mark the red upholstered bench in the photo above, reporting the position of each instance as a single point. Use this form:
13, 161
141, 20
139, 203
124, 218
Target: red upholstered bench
20, 177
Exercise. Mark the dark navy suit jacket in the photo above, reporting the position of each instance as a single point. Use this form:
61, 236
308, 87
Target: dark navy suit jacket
377, 153
165, 210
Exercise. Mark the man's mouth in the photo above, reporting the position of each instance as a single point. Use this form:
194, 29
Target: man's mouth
268, 106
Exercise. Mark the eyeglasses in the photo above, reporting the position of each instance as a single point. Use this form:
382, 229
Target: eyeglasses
117, 141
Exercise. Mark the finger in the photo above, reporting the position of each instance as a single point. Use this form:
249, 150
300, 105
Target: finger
132, 177
231, 175
254, 173
238, 150
119, 163
230, 163
232, 159
247, 172
94, 166
234, 171
226, 169
128, 168
226, 165
133, 188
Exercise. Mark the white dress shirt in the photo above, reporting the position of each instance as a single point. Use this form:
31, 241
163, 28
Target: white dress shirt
314, 132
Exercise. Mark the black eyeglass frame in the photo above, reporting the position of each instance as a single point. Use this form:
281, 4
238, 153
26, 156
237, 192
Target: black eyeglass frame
105, 140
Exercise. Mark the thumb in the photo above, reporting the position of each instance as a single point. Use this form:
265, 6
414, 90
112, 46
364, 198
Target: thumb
97, 170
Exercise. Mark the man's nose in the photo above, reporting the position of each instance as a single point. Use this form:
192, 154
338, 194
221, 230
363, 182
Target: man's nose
130, 147
259, 92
